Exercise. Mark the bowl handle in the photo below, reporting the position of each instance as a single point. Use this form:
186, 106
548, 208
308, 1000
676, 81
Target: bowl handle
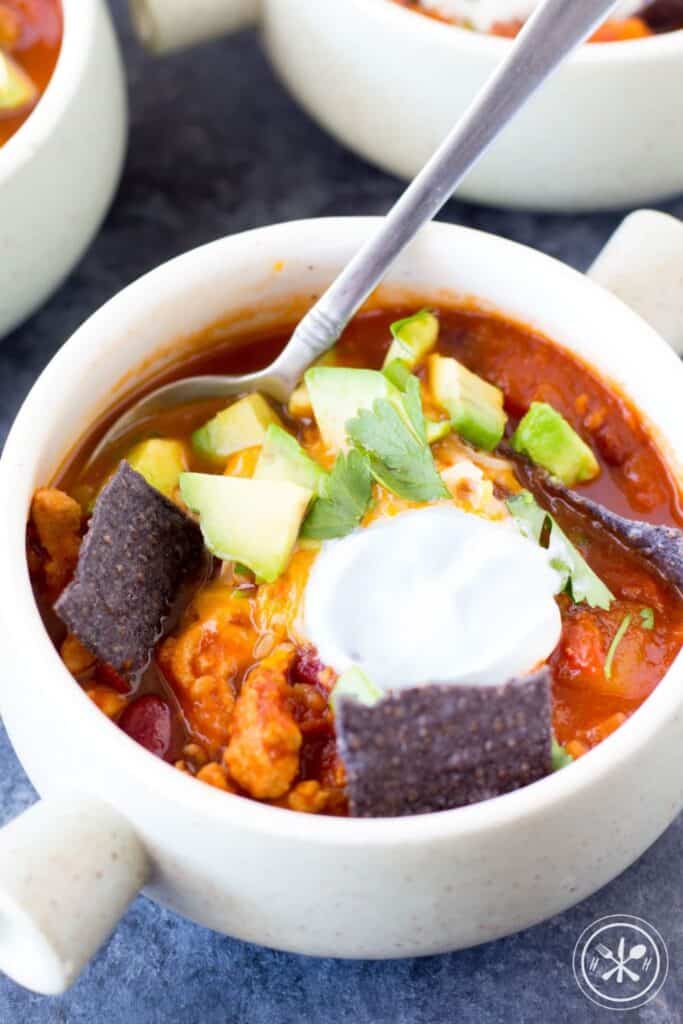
166, 25
69, 867
643, 264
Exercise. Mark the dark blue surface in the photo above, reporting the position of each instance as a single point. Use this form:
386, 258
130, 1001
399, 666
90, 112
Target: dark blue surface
217, 147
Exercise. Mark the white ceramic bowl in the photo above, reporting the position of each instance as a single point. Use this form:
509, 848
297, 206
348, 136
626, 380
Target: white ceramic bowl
606, 131
59, 171
315, 885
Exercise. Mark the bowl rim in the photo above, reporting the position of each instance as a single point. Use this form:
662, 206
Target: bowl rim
79, 21
41, 658
633, 51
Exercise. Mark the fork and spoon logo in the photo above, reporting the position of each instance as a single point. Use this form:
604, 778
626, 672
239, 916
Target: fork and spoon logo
636, 952
620, 962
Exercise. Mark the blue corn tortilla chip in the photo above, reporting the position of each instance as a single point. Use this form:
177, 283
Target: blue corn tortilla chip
435, 747
661, 547
138, 551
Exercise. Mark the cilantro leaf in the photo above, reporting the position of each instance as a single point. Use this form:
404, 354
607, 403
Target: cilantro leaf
398, 374
647, 618
560, 757
399, 460
577, 577
345, 497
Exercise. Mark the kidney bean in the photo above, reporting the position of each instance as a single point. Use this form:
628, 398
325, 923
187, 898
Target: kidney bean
307, 666
148, 721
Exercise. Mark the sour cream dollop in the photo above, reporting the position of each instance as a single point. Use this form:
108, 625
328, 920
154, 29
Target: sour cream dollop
482, 14
433, 595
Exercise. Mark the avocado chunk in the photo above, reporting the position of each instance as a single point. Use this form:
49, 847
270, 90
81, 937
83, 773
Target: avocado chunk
354, 683
474, 406
242, 425
160, 461
338, 393
283, 458
545, 436
17, 90
254, 522
413, 338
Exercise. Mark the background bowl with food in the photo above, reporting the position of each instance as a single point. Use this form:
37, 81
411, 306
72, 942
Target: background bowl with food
325, 883
606, 132
62, 140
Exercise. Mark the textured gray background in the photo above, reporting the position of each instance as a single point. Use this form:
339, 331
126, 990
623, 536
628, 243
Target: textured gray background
217, 147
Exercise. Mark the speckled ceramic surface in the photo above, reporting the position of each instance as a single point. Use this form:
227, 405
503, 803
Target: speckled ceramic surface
246, 157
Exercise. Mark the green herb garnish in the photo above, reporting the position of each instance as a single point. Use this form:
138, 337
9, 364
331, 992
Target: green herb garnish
354, 683
647, 618
560, 757
398, 374
616, 640
395, 440
578, 579
399, 460
344, 500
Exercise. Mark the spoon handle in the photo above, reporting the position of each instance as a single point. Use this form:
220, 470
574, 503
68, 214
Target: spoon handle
555, 28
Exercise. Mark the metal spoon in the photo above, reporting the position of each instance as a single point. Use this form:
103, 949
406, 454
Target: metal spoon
555, 28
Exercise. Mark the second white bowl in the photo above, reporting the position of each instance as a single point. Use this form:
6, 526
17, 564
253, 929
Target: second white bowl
59, 172
605, 131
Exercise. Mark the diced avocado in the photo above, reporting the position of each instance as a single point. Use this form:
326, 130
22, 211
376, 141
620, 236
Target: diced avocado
545, 436
242, 425
354, 683
300, 401
338, 393
474, 405
17, 90
160, 461
413, 337
437, 429
283, 458
255, 522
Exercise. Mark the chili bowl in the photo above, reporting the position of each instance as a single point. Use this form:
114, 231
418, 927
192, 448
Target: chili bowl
113, 818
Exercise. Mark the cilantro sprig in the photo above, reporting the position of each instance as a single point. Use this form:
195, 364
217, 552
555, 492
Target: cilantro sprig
344, 499
647, 618
576, 576
560, 757
393, 437
398, 460
389, 443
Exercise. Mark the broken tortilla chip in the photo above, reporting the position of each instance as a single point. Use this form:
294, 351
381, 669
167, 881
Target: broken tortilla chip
137, 552
435, 747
